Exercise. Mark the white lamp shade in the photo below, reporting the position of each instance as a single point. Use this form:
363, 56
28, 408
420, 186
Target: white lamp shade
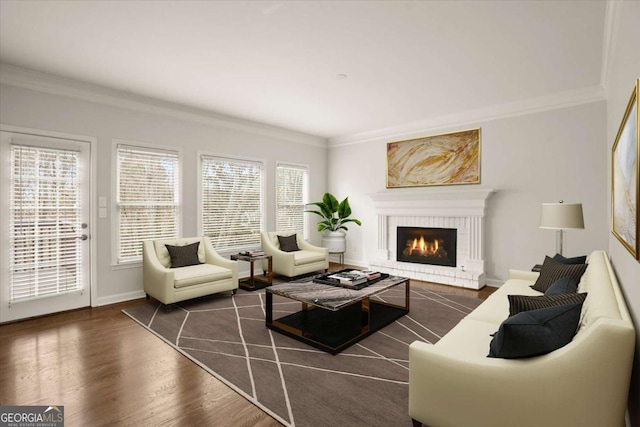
561, 216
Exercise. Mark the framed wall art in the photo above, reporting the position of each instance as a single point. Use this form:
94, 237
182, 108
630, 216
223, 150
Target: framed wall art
445, 159
625, 180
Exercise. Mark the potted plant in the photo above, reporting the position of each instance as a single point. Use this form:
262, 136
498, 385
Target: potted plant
334, 217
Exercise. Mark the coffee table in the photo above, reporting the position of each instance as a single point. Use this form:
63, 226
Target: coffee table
333, 318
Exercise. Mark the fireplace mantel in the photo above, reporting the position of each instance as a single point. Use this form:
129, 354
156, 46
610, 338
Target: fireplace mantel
460, 208
432, 202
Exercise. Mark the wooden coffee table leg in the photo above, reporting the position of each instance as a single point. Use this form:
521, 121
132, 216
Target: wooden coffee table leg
269, 309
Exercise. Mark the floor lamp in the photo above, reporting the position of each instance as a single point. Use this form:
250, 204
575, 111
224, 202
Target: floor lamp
561, 216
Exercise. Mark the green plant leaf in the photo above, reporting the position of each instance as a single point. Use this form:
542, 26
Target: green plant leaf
331, 201
344, 210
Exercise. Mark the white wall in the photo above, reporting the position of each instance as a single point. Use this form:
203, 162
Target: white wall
622, 71
528, 160
52, 112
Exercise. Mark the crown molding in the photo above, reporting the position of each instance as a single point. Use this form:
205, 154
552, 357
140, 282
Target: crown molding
473, 117
48, 83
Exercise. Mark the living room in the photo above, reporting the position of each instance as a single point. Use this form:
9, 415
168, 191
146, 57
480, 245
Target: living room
536, 147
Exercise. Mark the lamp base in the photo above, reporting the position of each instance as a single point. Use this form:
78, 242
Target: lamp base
559, 241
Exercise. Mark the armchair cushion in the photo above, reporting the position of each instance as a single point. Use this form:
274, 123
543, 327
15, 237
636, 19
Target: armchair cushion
307, 257
183, 256
195, 274
163, 254
288, 243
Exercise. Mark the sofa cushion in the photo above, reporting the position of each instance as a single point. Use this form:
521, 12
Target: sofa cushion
183, 256
575, 260
288, 243
468, 340
566, 285
535, 332
520, 303
199, 274
553, 270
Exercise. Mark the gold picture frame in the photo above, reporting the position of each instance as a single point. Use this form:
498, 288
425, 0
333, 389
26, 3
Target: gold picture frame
446, 159
625, 179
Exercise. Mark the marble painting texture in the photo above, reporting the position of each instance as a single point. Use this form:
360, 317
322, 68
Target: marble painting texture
447, 159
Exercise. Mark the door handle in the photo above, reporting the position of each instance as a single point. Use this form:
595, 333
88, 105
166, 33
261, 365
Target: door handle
83, 237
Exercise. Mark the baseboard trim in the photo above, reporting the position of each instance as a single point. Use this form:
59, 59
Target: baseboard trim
113, 299
494, 283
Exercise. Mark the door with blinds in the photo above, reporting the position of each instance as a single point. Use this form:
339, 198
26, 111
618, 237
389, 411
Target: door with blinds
45, 225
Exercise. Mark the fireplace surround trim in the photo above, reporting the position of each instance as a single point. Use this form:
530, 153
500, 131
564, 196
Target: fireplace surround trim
463, 206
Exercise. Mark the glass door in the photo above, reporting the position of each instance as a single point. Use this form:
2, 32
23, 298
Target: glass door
45, 224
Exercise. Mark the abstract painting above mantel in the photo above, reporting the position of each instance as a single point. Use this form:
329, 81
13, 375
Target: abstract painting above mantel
625, 178
446, 159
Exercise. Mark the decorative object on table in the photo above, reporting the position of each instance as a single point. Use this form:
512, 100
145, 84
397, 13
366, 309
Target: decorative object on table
561, 216
446, 159
334, 216
625, 178
350, 279
253, 253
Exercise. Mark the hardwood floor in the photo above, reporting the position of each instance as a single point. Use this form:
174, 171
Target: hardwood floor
106, 369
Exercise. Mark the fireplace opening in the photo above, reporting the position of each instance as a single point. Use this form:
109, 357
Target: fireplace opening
425, 245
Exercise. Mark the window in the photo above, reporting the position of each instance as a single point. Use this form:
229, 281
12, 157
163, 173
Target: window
45, 255
148, 198
231, 197
291, 197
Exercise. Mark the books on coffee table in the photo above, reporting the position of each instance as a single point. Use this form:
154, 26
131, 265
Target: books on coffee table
351, 279
252, 253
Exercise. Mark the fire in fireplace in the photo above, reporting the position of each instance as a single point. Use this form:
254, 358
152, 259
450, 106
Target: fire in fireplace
424, 245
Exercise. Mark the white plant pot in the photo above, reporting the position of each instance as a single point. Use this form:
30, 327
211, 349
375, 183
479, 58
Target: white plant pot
335, 241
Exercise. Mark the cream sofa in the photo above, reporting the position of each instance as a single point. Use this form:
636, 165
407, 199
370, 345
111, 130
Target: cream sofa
170, 285
585, 383
308, 259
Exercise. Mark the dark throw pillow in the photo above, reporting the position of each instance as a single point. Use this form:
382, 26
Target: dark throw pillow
520, 303
566, 285
288, 243
535, 332
183, 256
575, 260
553, 270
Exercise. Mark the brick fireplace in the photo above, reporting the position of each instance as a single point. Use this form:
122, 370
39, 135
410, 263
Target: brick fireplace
461, 210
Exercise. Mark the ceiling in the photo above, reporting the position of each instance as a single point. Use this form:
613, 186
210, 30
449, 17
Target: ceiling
279, 62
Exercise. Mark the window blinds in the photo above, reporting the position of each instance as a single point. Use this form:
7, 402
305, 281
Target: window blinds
147, 197
291, 197
45, 257
232, 208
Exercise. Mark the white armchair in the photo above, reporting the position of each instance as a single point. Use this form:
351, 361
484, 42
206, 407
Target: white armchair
169, 285
308, 259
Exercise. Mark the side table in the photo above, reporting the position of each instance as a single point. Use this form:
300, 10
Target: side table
250, 283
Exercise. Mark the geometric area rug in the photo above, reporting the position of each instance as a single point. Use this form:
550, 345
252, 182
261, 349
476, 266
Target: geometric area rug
365, 385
